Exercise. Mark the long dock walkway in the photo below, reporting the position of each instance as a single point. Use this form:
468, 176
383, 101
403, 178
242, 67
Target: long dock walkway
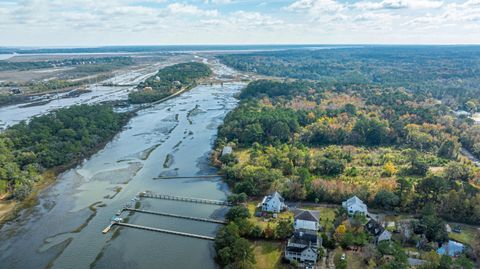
164, 231
175, 216
180, 177
183, 199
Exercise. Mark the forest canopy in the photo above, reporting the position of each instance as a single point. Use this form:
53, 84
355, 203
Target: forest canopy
168, 81
51, 141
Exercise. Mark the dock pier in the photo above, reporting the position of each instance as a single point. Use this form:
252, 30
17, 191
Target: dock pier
204, 237
180, 177
176, 216
183, 199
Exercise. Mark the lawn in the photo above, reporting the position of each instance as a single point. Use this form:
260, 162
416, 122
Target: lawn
327, 215
268, 255
261, 221
354, 259
466, 236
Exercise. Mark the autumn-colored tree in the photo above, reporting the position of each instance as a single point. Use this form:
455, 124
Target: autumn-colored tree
340, 232
389, 169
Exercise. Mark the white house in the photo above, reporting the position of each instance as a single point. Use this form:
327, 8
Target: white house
355, 205
378, 231
384, 236
273, 203
307, 220
227, 150
303, 247
304, 255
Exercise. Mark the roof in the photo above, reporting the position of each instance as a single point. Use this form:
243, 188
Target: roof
304, 237
300, 250
227, 150
374, 227
266, 199
386, 235
309, 215
355, 201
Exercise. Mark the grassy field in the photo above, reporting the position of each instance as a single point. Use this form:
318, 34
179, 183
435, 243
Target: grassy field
268, 255
466, 236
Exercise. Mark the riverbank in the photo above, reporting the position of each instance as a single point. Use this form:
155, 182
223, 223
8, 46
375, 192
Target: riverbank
9, 209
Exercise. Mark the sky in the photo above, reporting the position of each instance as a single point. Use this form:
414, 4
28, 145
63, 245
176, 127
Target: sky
166, 22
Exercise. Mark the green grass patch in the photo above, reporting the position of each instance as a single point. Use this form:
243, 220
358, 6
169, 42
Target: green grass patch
268, 255
467, 236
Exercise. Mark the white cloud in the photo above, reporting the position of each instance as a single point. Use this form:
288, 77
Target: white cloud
218, 2
398, 4
179, 8
317, 6
76, 22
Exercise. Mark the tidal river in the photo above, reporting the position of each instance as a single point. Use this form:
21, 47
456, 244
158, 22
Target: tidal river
13, 114
64, 230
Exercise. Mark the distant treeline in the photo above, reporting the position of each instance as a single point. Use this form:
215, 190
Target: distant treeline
106, 62
168, 81
55, 140
146, 49
448, 73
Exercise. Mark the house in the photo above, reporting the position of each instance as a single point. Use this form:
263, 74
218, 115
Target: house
273, 203
476, 118
459, 113
384, 236
303, 246
307, 220
448, 228
177, 84
15, 91
307, 254
227, 150
377, 231
355, 205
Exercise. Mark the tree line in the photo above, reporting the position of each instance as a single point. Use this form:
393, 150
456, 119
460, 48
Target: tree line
168, 81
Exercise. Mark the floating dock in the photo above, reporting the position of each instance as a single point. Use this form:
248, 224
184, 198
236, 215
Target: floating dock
176, 216
183, 199
204, 237
106, 230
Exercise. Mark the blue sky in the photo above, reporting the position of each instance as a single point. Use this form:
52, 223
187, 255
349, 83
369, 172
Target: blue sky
157, 22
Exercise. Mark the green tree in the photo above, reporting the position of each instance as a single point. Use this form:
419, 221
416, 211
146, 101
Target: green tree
237, 212
284, 229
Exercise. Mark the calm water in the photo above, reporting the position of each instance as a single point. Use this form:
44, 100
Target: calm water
13, 114
64, 231
6, 56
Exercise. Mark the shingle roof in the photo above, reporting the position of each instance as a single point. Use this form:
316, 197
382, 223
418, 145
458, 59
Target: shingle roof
308, 215
374, 227
304, 237
275, 194
355, 200
300, 250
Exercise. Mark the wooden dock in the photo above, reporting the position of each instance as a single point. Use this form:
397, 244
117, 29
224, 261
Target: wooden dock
183, 199
204, 237
176, 216
180, 177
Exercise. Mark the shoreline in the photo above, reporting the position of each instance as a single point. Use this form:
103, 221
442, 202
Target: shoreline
10, 209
